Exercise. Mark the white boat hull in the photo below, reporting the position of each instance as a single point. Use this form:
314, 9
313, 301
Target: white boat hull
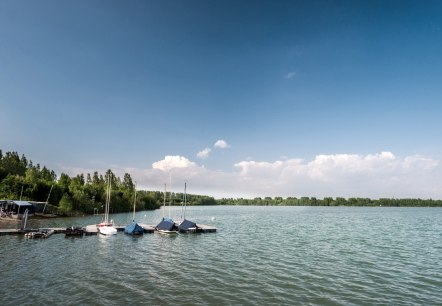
107, 230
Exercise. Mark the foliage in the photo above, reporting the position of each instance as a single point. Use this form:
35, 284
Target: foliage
329, 201
19, 178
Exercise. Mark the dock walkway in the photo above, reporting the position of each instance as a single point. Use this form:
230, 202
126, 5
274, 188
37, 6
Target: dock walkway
93, 230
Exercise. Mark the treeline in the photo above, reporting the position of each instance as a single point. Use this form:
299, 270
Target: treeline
329, 201
20, 178
86, 194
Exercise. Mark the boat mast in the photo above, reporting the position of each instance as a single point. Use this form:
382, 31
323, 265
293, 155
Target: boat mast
135, 201
107, 199
170, 198
109, 188
185, 199
164, 203
170, 202
47, 200
182, 204
110, 192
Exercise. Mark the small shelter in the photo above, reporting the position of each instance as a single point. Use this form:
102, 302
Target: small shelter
16, 209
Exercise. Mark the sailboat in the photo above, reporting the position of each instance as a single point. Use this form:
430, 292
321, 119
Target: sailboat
167, 225
106, 227
42, 214
134, 228
187, 226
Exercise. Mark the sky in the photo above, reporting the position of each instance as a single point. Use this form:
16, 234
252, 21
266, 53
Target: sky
236, 98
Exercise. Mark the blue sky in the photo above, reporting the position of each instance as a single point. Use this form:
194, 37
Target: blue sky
311, 98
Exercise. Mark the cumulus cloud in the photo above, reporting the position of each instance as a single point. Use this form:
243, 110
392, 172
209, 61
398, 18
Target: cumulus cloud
204, 153
221, 144
337, 175
171, 162
348, 175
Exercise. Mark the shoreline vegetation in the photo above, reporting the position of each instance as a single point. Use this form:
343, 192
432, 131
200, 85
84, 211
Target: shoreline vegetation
80, 194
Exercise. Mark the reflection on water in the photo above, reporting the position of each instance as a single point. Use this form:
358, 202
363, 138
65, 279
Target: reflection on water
260, 255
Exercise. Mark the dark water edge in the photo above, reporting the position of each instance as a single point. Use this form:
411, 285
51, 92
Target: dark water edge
259, 256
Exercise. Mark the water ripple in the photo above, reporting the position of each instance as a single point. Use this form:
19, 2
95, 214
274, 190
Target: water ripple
259, 256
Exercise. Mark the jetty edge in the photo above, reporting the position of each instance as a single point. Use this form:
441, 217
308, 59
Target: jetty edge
90, 230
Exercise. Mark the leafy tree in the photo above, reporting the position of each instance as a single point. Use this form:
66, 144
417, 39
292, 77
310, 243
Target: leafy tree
66, 204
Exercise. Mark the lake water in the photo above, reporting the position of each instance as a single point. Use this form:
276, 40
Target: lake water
258, 256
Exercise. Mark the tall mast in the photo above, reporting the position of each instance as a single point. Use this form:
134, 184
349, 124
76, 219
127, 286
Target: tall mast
135, 201
185, 199
164, 204
170, 198
107, 196
47, 200
109, 188
107, 199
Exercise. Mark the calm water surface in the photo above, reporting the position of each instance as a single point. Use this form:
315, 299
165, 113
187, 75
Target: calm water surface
259, 256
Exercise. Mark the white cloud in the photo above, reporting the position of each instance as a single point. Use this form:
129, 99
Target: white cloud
171, 162
221, 144
204, 153
337, 175
347, 175
290, 75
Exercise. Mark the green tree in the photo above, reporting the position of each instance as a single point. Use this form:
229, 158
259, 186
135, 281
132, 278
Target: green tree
66, 204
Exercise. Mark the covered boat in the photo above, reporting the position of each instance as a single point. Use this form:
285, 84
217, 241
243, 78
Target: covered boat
44, 233
167, 226
134, 229
188, 226
76, 231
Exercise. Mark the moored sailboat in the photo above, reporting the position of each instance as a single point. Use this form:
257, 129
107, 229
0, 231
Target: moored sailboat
187, 226
107, 227
167, 225
134, 228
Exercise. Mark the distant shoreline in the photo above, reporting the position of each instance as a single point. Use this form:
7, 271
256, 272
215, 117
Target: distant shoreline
329, 201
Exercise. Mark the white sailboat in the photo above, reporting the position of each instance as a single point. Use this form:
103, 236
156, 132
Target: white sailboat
106, 227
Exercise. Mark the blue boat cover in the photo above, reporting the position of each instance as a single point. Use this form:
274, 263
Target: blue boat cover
134, 229
166, 224
186, 224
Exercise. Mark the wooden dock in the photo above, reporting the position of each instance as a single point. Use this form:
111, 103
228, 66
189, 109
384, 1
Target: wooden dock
93, 230
57, 230
147, 228
10, 232
207, 228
